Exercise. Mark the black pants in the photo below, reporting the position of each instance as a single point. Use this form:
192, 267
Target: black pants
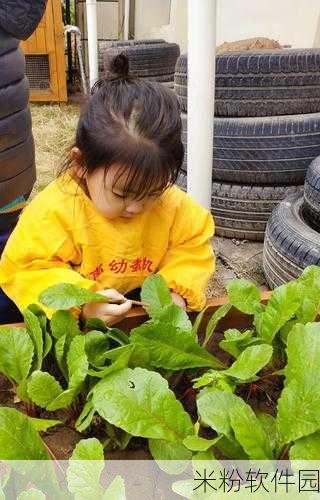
9, 313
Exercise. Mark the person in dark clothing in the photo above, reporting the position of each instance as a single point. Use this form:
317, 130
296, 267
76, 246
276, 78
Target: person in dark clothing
18, 20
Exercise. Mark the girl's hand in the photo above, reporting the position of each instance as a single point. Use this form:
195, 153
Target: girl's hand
108, 312
178, 300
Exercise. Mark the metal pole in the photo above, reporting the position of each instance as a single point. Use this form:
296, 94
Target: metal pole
201, 79
92, 40
126, 29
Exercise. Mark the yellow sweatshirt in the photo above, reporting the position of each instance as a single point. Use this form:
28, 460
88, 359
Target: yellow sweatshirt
62, 238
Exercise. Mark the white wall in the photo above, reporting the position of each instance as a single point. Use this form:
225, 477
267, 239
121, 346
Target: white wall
291, 22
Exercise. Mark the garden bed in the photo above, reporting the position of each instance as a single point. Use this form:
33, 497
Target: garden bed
229, 383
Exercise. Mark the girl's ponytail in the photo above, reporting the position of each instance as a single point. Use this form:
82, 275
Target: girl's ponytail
119, 66
118, 70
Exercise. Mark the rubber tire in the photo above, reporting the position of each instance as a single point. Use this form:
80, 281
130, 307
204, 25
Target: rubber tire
242, 212
147, 60
261, 83
311, 206
290, 243
263, 151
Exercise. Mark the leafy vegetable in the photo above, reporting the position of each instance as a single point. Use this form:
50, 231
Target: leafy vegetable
235, 341
16, 353
19, 439
213, 322
299, 404
245, 296
284, 303
85, 468
306, 448
171, 348
43, 388
231, 416
35, 332
155, 293
141, 403
250, 362
66, 296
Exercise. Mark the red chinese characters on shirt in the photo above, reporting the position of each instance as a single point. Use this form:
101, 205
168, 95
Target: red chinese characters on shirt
97, 272
137, 265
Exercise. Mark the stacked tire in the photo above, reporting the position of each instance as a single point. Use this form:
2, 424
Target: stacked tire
292, 239
266, 133
149, 59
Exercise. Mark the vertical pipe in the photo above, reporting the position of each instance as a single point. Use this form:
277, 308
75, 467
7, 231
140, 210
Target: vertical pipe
92, 40
126, 23
67, 21
201, 80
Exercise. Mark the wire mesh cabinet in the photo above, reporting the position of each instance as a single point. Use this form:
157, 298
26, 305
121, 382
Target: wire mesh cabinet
45, 57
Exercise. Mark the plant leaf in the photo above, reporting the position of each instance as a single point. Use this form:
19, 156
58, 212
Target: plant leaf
35, 332
77, 362
214, 320
16, 353
231, 416
41, 424
156, 294
299, 404
141, 403
85, 468
31, 494
235, 341
120, 362
310, 307
306, 448
231, 449
281, 307
250, 362
268, 423
116, 490
196, 443
171, 457
175, 316
18, 438
42, 318
198, 321
88, 449
64, 400
63, 323
43, 388
171, 348
85, 419
60, 349
96, 344
216, 379
244, 296
66, 296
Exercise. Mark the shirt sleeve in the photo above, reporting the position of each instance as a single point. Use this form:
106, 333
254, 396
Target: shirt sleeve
39, 254
190, 262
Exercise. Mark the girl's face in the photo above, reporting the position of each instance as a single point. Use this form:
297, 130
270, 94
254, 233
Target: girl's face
109, 199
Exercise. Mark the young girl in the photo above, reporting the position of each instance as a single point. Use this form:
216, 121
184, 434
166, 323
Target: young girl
113, 216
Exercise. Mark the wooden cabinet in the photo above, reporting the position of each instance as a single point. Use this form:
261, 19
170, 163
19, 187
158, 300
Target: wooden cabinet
45, 57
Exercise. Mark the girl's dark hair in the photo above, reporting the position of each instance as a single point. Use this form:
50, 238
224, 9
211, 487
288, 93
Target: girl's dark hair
135, 124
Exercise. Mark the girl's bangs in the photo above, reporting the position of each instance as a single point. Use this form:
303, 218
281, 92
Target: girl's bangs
145, 175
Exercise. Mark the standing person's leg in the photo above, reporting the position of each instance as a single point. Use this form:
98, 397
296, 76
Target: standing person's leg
9, 313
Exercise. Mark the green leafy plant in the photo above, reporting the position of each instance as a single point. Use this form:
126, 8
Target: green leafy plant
162, 384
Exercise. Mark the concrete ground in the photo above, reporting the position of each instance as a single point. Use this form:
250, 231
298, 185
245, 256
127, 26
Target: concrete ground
236, 259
